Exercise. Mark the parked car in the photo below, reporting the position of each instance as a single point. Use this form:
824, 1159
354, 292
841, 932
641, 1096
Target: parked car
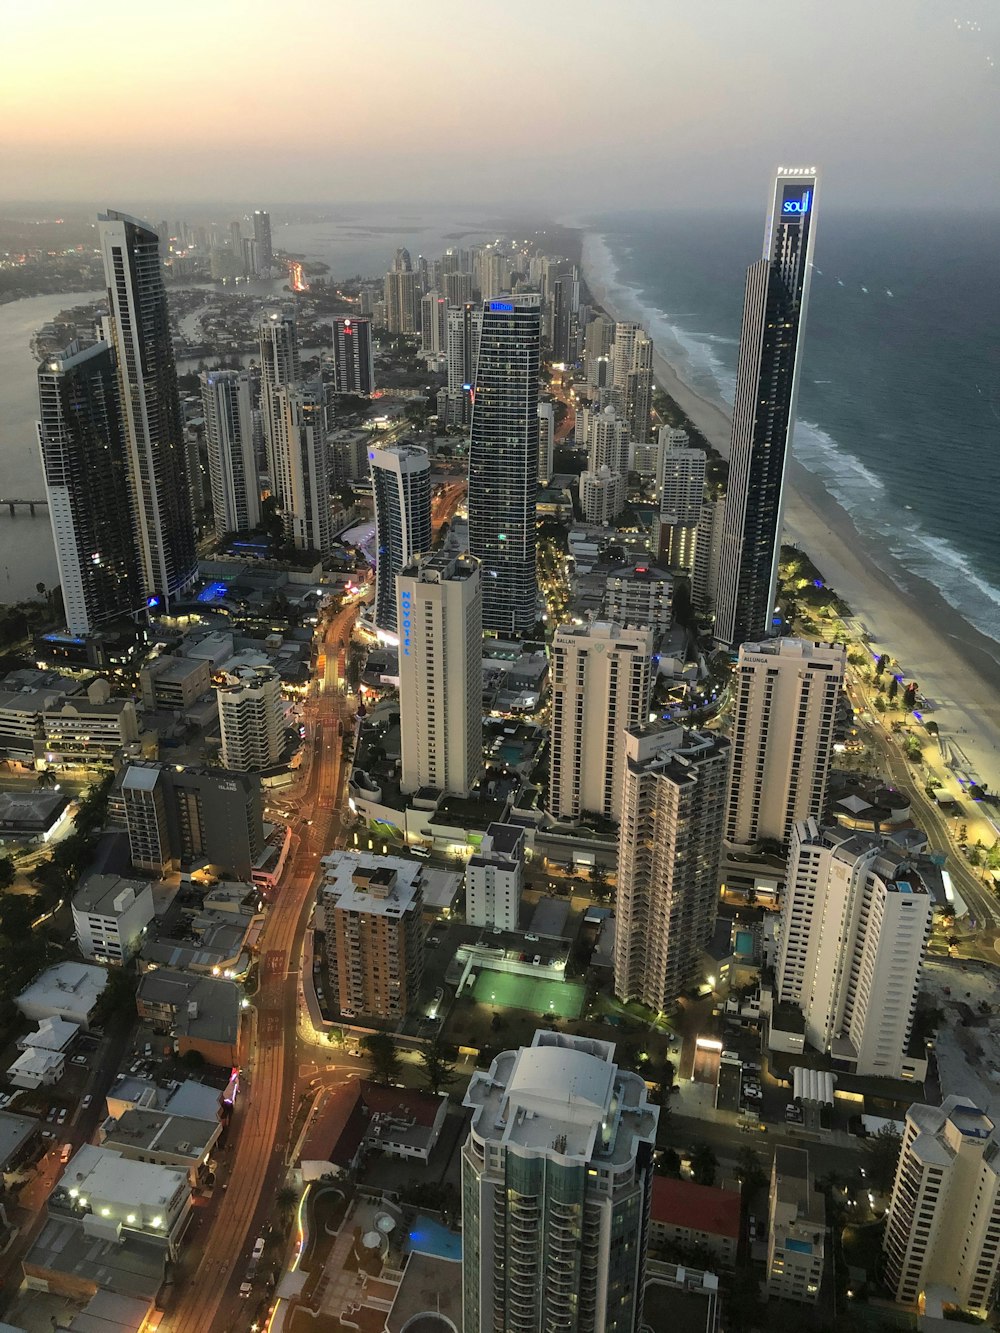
86, 1102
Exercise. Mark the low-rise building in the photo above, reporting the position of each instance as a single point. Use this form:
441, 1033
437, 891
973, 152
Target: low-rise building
174, 683
361, 1116
36, 1067
88, 731
146, 1135
110, 915
686, 1214
33, 816
66, 990
796, 1231
52, 1034
114, 1196
201, 1013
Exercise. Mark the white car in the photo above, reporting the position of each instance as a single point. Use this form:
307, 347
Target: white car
86, 1102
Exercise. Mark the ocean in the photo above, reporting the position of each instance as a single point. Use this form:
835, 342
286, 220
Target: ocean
899, 397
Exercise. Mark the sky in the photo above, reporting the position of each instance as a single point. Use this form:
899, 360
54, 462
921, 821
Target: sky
565, 104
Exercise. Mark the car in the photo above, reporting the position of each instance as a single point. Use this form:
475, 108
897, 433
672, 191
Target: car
433, 942
52, 1113
536, 961
245, 1289
532, 938
80, 1060
65, 1153
47, 1134
258, 1249
148, 1050
61, 1117
86, 1102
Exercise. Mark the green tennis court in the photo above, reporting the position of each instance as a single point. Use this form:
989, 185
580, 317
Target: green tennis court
561, 999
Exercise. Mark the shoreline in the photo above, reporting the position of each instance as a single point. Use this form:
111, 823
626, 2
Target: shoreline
956, 666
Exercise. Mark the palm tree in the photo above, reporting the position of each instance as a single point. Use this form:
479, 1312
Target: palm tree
46, 778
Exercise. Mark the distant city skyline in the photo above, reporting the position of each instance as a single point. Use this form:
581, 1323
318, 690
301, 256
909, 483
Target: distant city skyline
902, 114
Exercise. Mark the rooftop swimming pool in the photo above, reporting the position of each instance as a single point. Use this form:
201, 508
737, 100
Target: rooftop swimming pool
430, 1237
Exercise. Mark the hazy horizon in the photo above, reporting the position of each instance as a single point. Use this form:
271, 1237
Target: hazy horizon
571, 109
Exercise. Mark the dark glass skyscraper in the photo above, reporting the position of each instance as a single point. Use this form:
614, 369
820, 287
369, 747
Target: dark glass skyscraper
150, 407
401, 485
82, 441
503, 462
764, 413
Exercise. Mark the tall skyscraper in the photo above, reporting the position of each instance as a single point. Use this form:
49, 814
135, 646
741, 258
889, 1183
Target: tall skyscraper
627, 333
565, 308
433, 323
764, 412
503, 462
556, 1188
681, 485
302, 460
401, 305
607, 441
353, 356
638, 392
546, 440
855, 919
668, 859
707, 553
602, 495
227, 405
784, 710
151, 409
601, 679
280, 364
943, 1222
465, 326
458, 288
251, 719
440, 619
262, 236
82, 441
401, 484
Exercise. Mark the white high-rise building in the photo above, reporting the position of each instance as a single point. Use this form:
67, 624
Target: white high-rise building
402, 310
440, 620
138, 327
252, 720
493, 879
433, 323
401, 486
598, 341
627, 334
855, 921
784, 710
556, 1187
280, 364
602, 495
707, 554
943, 1224
227, 405
668, 854
681, 486
465, 325
546, 440
607, 442
302, 462
601, 677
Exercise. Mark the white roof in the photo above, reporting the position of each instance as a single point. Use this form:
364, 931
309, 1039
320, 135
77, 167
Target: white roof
561, 1083
140, 778
66, 984
54, 1034
37, 1062
105, 1175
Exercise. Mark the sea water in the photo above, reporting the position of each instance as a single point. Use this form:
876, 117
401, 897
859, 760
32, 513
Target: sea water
899, 397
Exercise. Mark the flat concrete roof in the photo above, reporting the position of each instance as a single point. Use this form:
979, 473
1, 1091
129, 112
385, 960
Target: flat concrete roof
104, 1174
15, 1130
98, 893
132, 1266
159, 1131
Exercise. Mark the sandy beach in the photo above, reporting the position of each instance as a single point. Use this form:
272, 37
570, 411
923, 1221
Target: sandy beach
956, 667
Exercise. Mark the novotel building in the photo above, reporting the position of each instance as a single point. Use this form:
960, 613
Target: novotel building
764, 412
401, 485
503, 462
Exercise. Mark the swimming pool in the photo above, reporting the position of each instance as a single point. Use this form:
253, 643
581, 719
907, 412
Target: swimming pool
744, 943
430, 1237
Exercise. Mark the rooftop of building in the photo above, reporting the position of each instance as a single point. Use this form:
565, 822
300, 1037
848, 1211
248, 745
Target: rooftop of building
671, 749
441, 565
52, 1034
15, 1131
376, 885
205, 1008
793, 1183
812, 652
68, 982
563, 1095
131, 1265
158, 1131
683, 1203
107, 895
110, 1312
429, 1298
967, 1121
104, 1175
31, 807
173, 669
638, 637
361, 1108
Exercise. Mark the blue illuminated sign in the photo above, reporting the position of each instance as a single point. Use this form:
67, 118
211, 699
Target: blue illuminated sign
800, 206
406, 606
502, 305
152, 602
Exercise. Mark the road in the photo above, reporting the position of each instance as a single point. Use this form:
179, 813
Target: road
207, 1298
445, 504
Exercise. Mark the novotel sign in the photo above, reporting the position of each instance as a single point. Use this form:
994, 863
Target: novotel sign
507, 306
791, 207
406, 621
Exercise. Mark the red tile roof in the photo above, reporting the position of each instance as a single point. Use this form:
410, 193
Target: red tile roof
402, 1103
682, 1203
